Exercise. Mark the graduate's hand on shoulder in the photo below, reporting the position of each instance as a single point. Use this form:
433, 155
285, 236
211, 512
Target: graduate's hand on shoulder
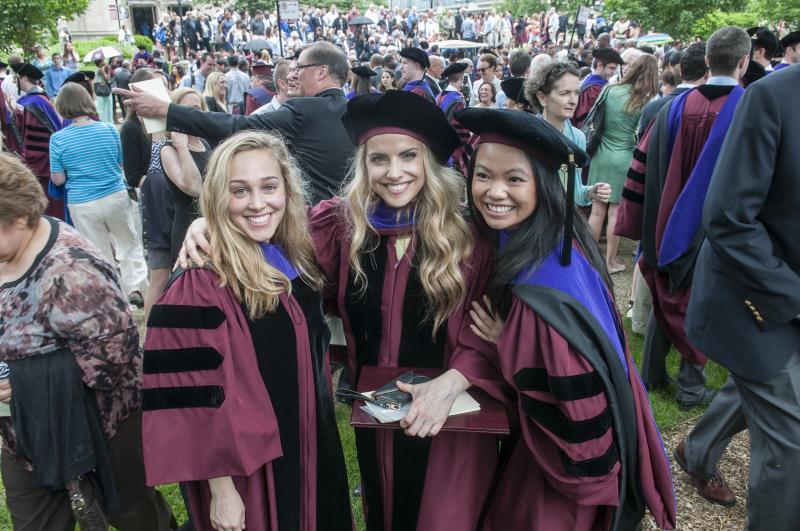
432, 403
196, 240
227, 509
486, 323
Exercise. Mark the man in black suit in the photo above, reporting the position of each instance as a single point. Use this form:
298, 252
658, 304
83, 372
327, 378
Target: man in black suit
310, 121
745, 303
459, 20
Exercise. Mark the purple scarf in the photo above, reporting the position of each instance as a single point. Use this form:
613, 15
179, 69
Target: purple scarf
593, 79
38, 99
686, 217
385, 218
580, 281
275, 257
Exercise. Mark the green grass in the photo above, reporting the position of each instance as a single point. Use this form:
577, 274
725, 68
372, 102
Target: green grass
665, 410
349, 445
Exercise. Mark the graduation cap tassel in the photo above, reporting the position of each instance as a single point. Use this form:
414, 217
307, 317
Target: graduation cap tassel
566, 248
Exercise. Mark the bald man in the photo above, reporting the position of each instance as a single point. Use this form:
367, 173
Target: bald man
434, 74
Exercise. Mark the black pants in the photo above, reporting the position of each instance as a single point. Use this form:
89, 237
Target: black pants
33, 508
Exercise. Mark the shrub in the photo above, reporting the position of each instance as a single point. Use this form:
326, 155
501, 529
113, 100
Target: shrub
84, 47
143, 40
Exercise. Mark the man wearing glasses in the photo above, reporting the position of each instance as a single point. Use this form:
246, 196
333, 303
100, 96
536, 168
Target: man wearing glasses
486, 67
310, 121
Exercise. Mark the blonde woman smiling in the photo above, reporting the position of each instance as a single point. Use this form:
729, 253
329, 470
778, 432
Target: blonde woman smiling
240, 408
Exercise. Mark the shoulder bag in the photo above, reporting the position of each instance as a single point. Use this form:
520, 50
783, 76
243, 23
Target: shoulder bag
593, 124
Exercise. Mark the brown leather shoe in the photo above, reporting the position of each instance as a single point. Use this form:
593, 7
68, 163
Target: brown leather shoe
714, 489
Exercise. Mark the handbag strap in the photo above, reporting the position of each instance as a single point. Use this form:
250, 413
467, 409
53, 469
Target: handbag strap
601, 99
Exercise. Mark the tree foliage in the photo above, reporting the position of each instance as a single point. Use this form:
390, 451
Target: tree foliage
676, 17
776, 11
719, 19
25, 22
533, 7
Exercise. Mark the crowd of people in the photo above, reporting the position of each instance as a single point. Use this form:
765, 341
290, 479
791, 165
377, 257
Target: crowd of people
369, 195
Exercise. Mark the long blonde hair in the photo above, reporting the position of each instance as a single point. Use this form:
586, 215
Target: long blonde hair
642, 76
238, 260
211, 91
442, 236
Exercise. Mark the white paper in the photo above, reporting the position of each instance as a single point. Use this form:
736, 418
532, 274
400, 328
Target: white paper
464, 403
155, 87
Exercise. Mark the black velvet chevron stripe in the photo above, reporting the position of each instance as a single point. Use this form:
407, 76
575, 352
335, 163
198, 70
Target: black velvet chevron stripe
630, 195
638, 155
564, 388
571, 431
598, 466
636, 176
181, 360
182, 397
182, 316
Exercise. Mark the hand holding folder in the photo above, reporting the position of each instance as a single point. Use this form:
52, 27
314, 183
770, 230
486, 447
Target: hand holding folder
156, 88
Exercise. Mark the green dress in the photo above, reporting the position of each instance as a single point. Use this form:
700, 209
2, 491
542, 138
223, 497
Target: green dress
618, 139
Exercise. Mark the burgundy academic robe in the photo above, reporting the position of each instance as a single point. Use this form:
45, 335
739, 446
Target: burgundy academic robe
539, 488
384, 329
35, 153
207, 412
633, 221
586, 100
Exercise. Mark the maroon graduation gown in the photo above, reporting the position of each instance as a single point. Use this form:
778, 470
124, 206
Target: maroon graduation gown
35, 152
586, 100
646, 220
208, 413
564, 471
407, 483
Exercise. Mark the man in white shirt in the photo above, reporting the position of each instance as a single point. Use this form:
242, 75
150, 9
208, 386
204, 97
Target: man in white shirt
238, 83
552, 24
280, 77
330, 16
486, 67
9, 87
430, 27
490, 28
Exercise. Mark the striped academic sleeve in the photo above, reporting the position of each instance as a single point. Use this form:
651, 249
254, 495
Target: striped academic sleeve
564, 410
631, 206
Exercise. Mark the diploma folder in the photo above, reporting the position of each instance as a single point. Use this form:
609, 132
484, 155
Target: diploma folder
155, 87
491, 419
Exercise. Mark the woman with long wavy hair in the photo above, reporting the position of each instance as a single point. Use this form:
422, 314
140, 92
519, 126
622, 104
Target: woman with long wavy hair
624, 103
240, 409
402, 267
